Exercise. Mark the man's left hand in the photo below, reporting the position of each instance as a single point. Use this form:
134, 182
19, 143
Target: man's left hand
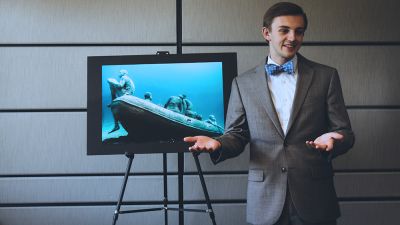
325, 142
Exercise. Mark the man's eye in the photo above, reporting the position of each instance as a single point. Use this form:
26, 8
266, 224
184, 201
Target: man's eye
284, 31
299, 32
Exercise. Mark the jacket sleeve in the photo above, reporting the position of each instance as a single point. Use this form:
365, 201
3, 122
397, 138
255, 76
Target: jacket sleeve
236, 134
338, 118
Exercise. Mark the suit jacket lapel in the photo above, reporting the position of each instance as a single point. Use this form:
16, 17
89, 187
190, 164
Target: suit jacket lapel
305, 77
265, 97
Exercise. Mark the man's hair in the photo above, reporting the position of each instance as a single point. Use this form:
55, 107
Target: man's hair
283, 9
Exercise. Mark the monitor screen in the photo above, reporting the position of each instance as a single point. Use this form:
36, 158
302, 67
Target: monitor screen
148, 103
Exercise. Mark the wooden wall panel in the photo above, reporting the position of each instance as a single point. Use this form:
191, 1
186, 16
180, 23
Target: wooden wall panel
368, 185
369, 213
52, 77
369, 74
241, 21
87, 21
77, 215
93, 189
376, 145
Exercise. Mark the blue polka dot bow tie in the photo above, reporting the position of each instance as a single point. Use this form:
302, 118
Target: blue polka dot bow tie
273, 69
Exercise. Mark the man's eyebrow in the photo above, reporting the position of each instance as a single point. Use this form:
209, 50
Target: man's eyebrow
286, 27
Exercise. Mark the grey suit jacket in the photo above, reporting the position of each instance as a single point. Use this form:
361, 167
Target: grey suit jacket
279, 161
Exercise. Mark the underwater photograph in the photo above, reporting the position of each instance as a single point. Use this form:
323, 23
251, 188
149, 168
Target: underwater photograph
161, 102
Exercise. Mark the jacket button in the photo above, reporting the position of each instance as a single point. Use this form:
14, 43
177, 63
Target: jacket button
283, 169
285, 144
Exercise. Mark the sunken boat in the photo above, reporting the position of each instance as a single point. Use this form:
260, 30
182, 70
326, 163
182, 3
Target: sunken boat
145, 121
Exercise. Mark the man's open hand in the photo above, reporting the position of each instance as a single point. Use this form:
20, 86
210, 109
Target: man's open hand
325, 142
202, 144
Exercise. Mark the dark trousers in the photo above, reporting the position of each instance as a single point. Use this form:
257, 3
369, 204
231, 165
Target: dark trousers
289, 215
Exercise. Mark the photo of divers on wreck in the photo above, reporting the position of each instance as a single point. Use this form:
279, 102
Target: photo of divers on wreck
161, 102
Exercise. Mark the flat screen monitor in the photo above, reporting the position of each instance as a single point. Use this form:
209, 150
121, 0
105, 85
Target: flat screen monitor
149, 103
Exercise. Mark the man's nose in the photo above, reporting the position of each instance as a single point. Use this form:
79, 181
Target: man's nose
291, 36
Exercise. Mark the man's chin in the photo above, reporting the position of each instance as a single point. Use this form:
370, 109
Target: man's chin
289, 56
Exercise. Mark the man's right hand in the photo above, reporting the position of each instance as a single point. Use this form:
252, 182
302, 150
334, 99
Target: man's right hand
202, 144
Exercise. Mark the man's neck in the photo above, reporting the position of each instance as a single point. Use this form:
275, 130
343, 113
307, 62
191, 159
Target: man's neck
280, 61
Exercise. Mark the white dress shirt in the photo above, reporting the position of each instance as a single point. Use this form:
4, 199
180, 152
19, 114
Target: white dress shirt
282, 88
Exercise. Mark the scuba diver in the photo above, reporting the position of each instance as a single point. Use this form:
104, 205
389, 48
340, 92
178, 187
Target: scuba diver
148, 96
187, 104
188, 108
174, 104
125, 86
181, 104
212, 120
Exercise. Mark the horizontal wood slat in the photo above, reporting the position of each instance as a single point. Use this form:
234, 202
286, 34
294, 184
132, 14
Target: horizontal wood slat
87, 21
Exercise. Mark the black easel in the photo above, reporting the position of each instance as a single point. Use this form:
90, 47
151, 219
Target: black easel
209, 209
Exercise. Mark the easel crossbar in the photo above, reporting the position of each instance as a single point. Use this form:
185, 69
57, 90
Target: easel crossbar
140, 210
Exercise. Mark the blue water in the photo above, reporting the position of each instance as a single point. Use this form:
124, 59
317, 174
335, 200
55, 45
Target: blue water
202, 83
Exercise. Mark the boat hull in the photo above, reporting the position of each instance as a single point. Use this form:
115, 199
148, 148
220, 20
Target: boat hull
145, 121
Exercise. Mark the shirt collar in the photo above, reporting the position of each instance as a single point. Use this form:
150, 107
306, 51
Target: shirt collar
271, 61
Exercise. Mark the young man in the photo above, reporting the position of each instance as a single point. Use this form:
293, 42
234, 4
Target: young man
291, 112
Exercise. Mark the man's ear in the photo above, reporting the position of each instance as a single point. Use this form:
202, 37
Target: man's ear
266, 33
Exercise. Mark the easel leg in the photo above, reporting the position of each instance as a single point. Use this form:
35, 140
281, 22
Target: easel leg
181, 165
203, 185
165, 201
121, 194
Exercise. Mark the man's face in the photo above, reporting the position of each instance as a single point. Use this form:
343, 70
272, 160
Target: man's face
285, 37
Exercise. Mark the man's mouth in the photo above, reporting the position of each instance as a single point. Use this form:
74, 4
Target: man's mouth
291, 46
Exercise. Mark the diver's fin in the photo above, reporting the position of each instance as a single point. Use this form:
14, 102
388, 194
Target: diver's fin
114, 129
